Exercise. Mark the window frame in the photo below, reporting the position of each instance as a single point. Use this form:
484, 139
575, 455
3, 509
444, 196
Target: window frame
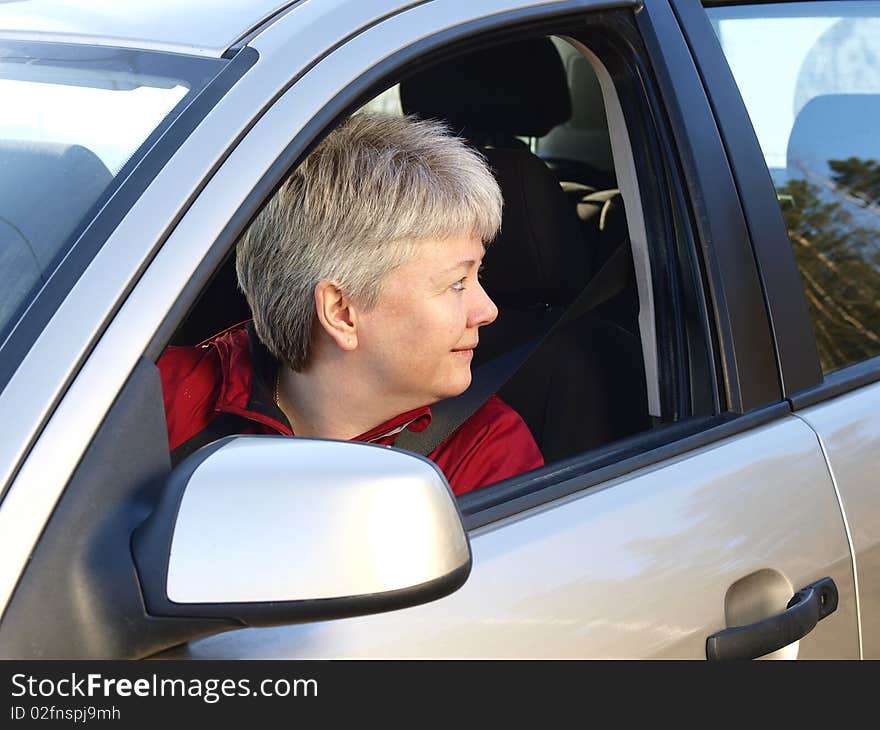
746, 353
794, 341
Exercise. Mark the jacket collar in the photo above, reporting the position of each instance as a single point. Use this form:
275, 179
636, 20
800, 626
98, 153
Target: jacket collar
248, 370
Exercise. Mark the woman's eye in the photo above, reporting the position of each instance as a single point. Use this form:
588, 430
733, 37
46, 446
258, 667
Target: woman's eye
480, 271
459, 285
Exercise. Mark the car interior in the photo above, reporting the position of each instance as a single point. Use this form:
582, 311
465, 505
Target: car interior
561, 269
31, 245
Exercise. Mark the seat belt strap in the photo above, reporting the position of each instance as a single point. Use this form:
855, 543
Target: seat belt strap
447, 415
226, 424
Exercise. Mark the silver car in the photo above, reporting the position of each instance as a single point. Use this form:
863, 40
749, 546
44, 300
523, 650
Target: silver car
691, 235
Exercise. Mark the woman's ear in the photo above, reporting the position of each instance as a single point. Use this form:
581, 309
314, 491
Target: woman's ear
336, 314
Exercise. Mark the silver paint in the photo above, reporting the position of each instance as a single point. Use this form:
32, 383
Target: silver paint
849, 427
636, 568
192, 26
277, 519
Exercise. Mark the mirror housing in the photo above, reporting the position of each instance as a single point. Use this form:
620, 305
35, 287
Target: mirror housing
267, 530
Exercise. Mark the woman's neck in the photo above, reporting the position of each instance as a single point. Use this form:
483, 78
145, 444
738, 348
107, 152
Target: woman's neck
327, 401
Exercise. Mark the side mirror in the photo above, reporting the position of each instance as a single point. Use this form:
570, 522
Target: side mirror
265, 530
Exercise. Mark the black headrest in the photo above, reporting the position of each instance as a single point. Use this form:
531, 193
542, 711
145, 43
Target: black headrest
518, 89
46, 189
833, 127
61, 181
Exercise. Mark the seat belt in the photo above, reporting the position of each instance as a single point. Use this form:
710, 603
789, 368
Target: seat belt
226, 424
487, 379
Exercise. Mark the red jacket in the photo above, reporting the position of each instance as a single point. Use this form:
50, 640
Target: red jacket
231, 374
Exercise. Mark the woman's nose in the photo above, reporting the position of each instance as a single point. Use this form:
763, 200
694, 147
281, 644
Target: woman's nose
483, 310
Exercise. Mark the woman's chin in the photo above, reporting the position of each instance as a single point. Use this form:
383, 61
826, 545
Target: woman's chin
455, 386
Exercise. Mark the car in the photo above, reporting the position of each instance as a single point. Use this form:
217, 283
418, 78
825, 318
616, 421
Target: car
686, 277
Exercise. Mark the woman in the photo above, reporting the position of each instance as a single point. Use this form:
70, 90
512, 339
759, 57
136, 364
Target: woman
362, 276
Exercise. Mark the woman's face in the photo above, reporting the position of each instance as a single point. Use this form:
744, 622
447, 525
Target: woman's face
418, 340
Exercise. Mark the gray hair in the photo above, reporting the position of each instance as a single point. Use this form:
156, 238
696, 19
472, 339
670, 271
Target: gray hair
351, 212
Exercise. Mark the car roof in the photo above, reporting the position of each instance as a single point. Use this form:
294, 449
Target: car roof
202, 27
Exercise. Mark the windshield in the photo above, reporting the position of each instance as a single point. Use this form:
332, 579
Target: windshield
74, 121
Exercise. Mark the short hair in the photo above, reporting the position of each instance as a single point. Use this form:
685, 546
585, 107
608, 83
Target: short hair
353, 210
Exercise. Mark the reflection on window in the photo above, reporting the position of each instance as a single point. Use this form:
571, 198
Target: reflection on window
809, 74
71, 118
838, 258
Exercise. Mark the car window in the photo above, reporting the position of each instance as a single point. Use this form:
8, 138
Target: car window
388, 102
567, 217
71, 121
584, 138
809, 74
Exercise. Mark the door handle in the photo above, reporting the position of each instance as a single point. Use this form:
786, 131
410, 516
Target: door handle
806, 608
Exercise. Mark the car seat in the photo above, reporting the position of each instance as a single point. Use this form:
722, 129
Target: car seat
540, 259
585, 384
46, 191
832, 127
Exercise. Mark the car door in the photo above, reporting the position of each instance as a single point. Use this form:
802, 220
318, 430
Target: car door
815, 120
647, 555
643, 548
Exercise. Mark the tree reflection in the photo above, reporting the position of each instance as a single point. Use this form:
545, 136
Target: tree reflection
838, 257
